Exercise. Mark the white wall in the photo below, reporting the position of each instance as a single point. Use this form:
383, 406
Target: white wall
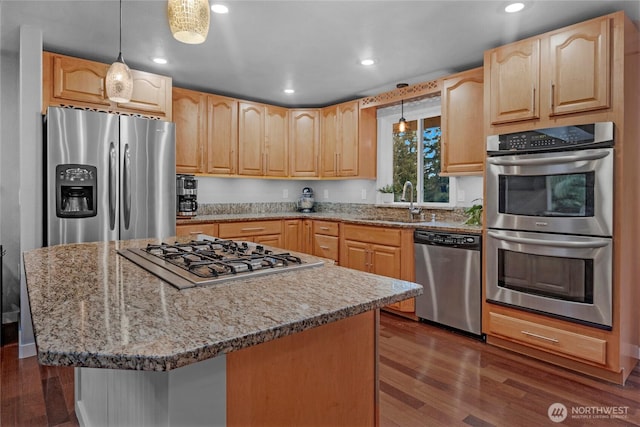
247, 190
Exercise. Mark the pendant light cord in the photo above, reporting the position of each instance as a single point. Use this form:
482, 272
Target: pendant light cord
120, 43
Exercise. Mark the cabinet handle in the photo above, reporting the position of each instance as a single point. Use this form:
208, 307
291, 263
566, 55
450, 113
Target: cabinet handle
542, 337
324, 228
553, 94
326, 248
338, 165
253, 229
196, 232
266, 162
533, 102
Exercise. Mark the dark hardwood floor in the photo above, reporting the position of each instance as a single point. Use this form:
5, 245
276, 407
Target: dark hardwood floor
428, 377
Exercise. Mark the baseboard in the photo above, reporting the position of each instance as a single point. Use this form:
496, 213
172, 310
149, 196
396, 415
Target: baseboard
25, 349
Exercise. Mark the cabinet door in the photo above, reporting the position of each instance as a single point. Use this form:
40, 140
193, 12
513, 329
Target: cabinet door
463, 144
250, 138
307, 236
151, 94
79, 80
329, 146
304, 129
292, 240
348, 139
355, 255
579, 68
277, 141
222, 135
514, 81
190, 117
385, 260
274, 240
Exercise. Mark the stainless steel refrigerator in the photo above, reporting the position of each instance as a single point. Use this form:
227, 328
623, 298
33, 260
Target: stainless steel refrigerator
108, 177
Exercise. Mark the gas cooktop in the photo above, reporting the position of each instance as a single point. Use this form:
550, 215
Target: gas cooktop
212, 260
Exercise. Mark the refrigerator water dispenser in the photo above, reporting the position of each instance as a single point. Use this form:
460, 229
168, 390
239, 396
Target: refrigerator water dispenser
76, 189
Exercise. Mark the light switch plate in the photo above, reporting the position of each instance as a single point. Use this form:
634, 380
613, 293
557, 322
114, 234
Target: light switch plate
461, 195
364, 194
326, 194
285, 193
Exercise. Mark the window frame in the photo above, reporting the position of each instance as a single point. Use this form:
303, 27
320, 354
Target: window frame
386, 118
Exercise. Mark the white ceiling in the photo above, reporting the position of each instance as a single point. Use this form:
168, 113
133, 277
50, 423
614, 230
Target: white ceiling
262, 47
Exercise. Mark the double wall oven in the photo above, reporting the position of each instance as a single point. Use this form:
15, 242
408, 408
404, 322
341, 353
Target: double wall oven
549, 214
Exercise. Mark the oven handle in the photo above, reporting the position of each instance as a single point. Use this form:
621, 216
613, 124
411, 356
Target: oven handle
543, 242
578, 156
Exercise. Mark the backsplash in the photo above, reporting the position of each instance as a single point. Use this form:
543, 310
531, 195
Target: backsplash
369, 211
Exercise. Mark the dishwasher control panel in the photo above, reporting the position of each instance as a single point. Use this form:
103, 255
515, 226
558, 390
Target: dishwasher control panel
467, 241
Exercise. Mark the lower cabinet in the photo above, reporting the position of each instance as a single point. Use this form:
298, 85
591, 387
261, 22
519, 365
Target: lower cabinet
292, 235
195, 229
326, 237
264, 232
379, 250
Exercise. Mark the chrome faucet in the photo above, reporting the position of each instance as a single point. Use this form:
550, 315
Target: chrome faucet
412, 211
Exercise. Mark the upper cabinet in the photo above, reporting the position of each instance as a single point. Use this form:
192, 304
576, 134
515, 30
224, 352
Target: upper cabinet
190, 115
563, 72
222, 135
206, 132
462, 142
277, 141
69, 81
304, 142
339, 152
251, 154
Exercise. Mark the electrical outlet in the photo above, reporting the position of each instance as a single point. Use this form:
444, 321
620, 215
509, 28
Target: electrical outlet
285, 193
461, 195
326, 194
364, 194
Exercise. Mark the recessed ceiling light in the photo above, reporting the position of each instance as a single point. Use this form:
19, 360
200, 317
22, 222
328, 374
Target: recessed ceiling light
289, 91
367, 62
159, 60
514, 7
219, 8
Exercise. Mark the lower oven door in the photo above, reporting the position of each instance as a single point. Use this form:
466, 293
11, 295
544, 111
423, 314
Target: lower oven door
565, 276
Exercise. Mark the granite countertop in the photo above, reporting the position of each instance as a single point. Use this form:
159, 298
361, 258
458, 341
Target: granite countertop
93, 308
456, 227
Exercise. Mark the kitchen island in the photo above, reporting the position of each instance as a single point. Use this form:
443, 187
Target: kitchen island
293, 348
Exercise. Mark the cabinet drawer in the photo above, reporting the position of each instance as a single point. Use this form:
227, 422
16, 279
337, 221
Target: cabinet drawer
326, 246
547, 338
249, 228
378, 235
195, 229
326, 228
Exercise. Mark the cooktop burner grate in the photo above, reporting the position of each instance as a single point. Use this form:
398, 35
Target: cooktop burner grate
211, 260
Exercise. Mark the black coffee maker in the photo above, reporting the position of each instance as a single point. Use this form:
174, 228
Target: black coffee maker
186, 195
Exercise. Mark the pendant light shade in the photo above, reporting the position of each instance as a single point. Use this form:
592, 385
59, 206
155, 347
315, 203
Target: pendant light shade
189, 20
402, 124
119, 81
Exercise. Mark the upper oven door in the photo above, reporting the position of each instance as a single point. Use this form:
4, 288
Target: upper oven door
562, 192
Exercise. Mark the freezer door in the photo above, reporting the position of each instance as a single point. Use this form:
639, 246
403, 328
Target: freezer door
147, 178
82, 138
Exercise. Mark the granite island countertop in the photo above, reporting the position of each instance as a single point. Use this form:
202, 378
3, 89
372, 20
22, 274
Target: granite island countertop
91, 307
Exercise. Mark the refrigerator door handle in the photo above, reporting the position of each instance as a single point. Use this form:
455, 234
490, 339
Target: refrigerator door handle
126, 188
112, 186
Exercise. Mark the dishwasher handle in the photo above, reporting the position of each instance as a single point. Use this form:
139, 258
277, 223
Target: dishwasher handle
452, 240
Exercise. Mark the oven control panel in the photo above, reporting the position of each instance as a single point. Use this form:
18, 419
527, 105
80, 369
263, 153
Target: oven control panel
549, 139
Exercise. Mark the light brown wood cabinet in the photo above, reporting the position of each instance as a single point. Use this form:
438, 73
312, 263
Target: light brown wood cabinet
379, 250
563, 72
262, 140
206, 132
190, 115
304, 142
292, 238
264, 232
70, 81
222, 135
326, 239
463, 142
339, 148
194, 229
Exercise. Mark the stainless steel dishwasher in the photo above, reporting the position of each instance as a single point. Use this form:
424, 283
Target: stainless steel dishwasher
448, 267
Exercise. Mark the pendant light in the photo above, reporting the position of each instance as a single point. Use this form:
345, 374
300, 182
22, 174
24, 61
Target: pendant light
189, 20
119, 80
402, 125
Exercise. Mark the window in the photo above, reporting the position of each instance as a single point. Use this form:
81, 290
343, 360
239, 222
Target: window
414, 155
